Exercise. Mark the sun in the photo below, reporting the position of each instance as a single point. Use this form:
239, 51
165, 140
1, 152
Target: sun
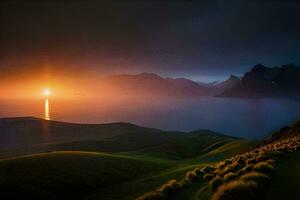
46, 92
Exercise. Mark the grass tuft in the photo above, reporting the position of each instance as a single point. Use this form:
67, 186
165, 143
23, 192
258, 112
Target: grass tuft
216, 182
264, 168
169, 188
199, 172
260, 179
208, 169
152, 196
208, 177
191, 176
230, 177
236, 190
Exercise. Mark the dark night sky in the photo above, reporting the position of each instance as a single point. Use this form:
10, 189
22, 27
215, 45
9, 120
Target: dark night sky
201, 40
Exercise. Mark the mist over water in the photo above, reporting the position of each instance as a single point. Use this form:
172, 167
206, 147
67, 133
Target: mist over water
248, 118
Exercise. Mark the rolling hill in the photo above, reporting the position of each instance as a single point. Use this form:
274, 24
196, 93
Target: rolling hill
21, 136
266, 171
100, 159
130, 163
68, 175
29, 131
95, 175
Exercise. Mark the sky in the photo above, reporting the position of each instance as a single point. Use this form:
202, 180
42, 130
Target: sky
201, 40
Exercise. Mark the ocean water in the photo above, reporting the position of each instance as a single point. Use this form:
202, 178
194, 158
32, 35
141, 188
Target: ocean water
247, 118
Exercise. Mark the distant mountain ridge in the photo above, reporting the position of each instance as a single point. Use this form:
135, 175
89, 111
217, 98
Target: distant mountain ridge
154, 84
218, 87
228, 83
262, 81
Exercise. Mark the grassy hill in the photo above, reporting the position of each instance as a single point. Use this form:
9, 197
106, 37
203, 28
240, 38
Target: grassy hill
286, 181
176, 145
22, 136
135, 160
117, 161
91, 175
266, 171
67, 175
28, 131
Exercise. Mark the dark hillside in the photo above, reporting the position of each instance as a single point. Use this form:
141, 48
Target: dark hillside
244, 176
22, 136
28, 131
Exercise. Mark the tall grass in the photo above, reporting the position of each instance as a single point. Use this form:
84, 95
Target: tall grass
166, 191
264, 168
260, 179
230, 177
236, 190
216, 182
208, 177
242, 177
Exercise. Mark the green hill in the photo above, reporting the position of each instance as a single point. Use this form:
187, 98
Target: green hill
135, 160
99, 161
176, 145
90, 175
24, 136
28, 131
269, 170
69, 175
286, 181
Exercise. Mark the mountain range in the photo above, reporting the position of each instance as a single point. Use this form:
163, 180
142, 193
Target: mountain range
150, 83
259, 82
262, 81
153, 84
218, 87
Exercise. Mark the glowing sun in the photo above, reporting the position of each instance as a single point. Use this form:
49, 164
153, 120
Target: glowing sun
46, 92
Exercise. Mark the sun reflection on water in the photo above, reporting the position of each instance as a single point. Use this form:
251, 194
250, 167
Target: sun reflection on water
47, 113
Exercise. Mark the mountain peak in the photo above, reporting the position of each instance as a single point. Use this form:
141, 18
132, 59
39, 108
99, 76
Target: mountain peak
149, 75
151, 83
258, 68
233, 77
262, 81
289, 66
